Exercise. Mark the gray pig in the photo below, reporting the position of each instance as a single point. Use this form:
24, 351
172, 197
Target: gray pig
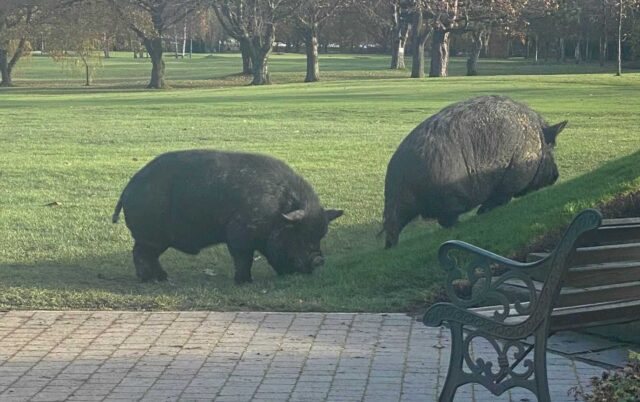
482, 151
189, 200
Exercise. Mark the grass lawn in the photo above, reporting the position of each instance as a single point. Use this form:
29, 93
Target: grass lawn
60, 142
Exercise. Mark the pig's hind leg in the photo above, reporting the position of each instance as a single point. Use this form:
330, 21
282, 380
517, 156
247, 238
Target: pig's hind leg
145, 259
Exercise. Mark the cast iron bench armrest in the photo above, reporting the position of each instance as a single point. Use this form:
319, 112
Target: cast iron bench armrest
450, 313
484, 273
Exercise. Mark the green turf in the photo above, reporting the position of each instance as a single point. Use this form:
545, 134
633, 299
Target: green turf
63, 143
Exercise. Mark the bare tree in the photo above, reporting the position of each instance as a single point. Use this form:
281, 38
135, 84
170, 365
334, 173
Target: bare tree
76, 32
311, 16
480, 18
444, 19
394, 16
421, 30
620, 17
150, 19
605, 15
253, 23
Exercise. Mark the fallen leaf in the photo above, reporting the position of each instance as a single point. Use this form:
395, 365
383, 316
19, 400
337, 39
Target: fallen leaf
53, 204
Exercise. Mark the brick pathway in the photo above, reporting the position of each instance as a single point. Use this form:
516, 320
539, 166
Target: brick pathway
193, 356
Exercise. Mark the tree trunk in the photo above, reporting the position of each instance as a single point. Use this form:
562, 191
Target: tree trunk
261, 48
547, 46
587, 52
311, 44
619, 72
154, 48
485, 44
419, 38
87, 75
536, 48
576, 52
106, 50
604, 40
397, 55
261, 70
247, 67
6, 64
175, 41
5, 70
417, 64
603, 49
400, 36
562, 51
474, 55
439, 54
184, 40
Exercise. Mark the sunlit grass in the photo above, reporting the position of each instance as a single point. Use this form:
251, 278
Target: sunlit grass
78, 147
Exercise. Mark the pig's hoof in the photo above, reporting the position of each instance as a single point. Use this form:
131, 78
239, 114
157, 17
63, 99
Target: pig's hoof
243, 280
161, 275
145, 276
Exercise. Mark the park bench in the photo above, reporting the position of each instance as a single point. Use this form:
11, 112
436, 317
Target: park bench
592, 278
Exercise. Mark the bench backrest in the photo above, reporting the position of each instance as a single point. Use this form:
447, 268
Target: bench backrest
606, 266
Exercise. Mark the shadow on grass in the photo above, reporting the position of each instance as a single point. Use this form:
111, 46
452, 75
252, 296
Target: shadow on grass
359, 275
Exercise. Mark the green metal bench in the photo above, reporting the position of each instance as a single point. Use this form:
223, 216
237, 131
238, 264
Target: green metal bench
592, 278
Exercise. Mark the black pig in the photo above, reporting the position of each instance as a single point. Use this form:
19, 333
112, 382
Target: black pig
482, 151
189, 200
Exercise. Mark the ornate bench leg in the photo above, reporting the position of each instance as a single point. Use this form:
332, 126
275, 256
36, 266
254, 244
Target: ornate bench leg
455, 374
540, 364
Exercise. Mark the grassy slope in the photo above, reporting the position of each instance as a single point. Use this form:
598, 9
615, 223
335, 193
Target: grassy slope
60, 142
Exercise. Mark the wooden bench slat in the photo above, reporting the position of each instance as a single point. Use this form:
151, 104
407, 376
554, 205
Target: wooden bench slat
599, 254
603, 274
608, 253
599, 294
621, 221
575, 296
611, 234
564, 318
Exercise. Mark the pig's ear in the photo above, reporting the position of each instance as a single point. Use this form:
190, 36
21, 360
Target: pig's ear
551, 132
294, 216
332, 214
